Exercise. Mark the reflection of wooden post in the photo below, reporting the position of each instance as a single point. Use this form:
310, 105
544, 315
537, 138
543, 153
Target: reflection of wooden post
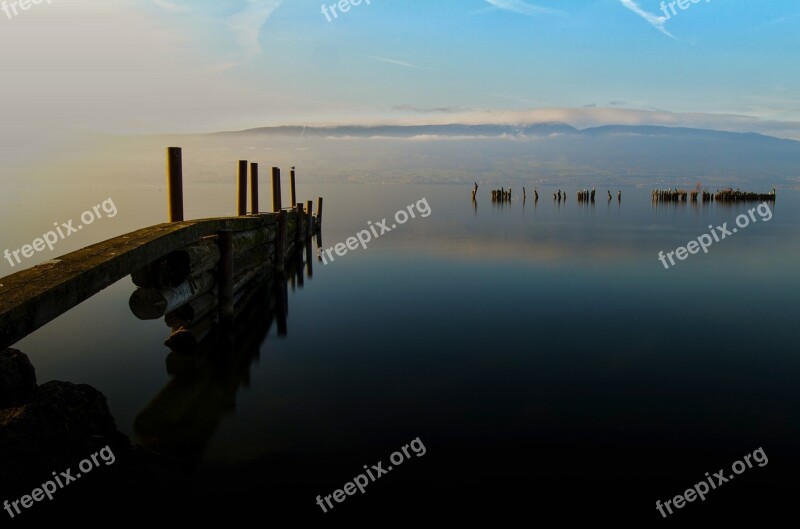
309, 218
294, 194
225, 279
319, 214
175, 183
298, 226
254, 188
276, 189
280, 250
309, 260
242, 205
299, 267
282, 305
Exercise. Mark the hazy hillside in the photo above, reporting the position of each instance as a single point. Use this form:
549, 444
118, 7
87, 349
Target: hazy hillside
550, 152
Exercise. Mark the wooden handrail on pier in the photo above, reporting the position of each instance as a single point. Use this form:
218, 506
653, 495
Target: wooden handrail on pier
32, 298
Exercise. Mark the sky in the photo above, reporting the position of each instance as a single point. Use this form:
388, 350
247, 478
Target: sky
163, 66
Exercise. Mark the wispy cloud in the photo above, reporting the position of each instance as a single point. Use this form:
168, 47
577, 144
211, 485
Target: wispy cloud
170, 6
247, 23
654, 20
243, 26
437, 110
399, 63
523, 8
777, 21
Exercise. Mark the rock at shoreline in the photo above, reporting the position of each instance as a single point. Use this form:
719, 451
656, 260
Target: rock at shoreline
17, 378
49, 427
62, 424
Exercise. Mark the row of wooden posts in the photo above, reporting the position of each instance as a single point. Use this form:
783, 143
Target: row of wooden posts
726, 195
180, 286
175, 188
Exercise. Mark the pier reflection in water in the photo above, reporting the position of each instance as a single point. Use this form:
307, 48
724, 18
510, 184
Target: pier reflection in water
180, 421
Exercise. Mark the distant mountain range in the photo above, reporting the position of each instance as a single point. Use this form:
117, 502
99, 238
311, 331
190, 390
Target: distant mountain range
499, 131
410, 131
550, 152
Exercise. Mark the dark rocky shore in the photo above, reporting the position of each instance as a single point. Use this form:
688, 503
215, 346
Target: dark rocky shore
49, 428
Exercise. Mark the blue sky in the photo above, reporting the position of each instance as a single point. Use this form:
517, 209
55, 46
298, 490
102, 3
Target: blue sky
198, 65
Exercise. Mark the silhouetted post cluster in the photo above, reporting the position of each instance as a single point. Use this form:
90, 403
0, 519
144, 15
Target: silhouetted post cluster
670, 195
730, 195
503, 195
500, 195
726, 195
586, 196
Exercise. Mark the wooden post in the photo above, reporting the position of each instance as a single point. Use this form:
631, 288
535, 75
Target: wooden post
225, 279
319, 214
254, 188
175, 183
280, 249
242, 205
310, 218
298, 227
276, 189
294, 194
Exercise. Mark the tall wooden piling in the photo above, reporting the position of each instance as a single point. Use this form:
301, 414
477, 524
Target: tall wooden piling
319, 213
242, 188
276, 189
309, 218
254, 188
175, 183
280, 248
225, 279
294, 193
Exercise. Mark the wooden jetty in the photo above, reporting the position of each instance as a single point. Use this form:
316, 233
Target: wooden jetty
177, 263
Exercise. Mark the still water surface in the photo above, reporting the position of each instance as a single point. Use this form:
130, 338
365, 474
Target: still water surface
541, 352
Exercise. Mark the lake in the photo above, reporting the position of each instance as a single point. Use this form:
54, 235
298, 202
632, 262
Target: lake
539, 351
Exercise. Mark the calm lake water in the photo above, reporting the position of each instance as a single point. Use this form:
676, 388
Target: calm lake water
541, 353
